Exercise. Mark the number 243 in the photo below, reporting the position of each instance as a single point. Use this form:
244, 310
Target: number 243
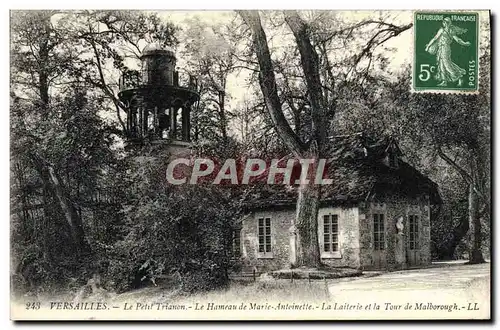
33, 305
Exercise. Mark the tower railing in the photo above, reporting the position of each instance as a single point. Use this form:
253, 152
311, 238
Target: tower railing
136, 78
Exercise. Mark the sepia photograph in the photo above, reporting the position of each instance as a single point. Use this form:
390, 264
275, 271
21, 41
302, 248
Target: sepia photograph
250, 165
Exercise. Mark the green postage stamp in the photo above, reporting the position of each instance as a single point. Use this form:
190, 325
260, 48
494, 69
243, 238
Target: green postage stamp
446, 52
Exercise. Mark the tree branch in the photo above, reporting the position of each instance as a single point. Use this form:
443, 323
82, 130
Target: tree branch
457, 167
104, 87
310, 65
268, 85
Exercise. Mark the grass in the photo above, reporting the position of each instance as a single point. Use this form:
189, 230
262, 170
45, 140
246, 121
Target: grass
313, 273
307, 285
238, 291
265, 291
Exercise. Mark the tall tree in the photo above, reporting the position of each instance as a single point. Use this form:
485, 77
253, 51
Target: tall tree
456, 128
64, 74
209, 50
318, 90
36, 59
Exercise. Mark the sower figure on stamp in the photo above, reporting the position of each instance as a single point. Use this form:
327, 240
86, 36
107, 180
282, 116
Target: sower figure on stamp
440, 45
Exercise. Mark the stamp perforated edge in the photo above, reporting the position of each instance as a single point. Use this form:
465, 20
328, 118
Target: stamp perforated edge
478, 45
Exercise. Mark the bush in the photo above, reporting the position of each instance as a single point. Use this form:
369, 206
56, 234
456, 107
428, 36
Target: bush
184, 230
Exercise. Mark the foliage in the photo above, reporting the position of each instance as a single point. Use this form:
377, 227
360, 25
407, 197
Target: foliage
172, 230
76, 142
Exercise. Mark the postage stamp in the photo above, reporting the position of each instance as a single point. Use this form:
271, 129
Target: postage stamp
446, 52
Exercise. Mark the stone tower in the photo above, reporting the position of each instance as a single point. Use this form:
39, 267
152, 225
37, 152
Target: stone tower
158, 102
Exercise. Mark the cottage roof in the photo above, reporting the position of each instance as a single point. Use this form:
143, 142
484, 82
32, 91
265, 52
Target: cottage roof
359, 173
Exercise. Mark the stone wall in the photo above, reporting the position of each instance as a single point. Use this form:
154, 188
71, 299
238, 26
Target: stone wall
281, 222
355, 237
396, 253
348, 237
282, 232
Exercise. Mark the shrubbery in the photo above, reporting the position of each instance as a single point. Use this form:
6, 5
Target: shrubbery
172, 230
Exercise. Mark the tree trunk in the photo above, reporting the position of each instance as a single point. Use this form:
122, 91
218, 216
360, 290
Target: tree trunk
473, 179
56, 188
447, 252
307, 246
475, 253
268, 86
223, 119
70, 212
310, 66
306, 221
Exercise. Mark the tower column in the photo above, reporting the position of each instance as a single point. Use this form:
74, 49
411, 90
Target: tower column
186, 123
129, 120
173, 122
145, 119
140, 133
159, 105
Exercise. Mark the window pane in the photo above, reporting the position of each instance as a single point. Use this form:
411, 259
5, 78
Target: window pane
413, 231
335, 238
264, 235
378, 231
326, 247
326, 238
335, 247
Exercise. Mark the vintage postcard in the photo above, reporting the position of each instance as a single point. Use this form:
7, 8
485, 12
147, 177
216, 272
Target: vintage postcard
250, 165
